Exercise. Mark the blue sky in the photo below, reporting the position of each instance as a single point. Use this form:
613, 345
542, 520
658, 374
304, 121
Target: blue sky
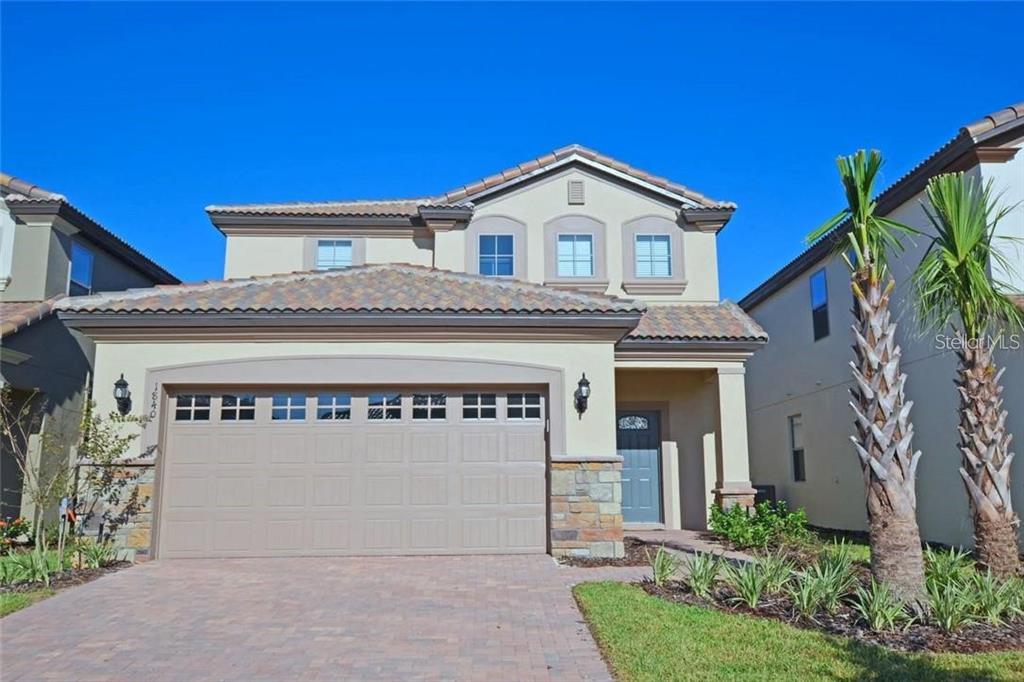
142, 114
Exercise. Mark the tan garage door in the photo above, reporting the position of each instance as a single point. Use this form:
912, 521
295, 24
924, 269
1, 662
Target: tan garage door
340, 471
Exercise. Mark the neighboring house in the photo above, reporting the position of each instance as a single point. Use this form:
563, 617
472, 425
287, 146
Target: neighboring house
48, 250
797, 388
524, 364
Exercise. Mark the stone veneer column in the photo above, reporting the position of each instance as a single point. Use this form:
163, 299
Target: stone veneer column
586, 508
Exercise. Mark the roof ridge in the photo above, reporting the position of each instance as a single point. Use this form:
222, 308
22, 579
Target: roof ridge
339, 202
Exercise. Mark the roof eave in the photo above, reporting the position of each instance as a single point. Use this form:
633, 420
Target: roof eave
668, 345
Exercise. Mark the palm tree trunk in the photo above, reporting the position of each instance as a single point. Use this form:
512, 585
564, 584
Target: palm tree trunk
985, 444
883, 442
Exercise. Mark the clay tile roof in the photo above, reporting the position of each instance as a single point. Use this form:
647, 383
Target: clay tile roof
393, 288
995, 119
722, 322
17, 188
16, 315
399, 208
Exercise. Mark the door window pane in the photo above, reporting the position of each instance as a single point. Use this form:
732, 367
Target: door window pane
192, 407
334, 406
429, 406
523, 406
288, 407
479, 406
237, 407
384, 407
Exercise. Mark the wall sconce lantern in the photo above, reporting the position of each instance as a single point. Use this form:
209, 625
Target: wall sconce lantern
123, 396
582, 394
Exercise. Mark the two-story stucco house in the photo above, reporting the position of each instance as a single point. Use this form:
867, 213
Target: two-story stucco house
527, 363
49, 250
797, 388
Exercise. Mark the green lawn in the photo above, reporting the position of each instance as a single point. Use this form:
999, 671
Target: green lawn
646, 638
15, 601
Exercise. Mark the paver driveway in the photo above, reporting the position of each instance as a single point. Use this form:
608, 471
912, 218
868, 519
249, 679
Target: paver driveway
463, 618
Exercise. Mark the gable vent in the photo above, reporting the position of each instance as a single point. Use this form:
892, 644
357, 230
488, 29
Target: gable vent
576, 193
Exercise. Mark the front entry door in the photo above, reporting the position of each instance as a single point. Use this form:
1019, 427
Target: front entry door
638, 441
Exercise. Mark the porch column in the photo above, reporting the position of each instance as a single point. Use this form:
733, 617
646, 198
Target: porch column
733, 483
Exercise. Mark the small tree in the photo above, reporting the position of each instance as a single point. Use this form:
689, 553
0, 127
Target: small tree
883, 430
955, 287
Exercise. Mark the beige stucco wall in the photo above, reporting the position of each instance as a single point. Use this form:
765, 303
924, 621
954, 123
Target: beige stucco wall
687, 399
1009, 177
592, 434
534, 204
796, 375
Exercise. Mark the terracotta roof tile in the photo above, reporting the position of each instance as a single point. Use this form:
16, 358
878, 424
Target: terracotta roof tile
394, 288
722, 322
16, 315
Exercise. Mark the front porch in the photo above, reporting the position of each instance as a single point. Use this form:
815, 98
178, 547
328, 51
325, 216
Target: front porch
682, 435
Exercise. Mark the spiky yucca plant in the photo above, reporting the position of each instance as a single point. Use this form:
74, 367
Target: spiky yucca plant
955, 287
883, 431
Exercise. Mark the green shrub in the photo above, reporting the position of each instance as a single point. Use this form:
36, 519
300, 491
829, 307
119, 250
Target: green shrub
663, 565
835, 576
702, 572
767, 524
879, 607
96, 554
777, 569
993, 599
944, 566
950, 604
805, 591
748, 581
31, 567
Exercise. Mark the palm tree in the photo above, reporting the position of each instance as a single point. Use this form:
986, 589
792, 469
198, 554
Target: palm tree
883, 432
955, 287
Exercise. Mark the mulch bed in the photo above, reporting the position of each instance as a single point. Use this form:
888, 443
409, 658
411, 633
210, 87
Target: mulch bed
970, 639
70, 578
636, 555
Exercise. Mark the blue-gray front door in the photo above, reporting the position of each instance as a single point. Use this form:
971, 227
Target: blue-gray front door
638, 441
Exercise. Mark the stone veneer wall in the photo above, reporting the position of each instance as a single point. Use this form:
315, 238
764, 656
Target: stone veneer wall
134, 536
586, 509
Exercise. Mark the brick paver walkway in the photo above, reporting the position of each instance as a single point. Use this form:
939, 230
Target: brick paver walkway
459, 618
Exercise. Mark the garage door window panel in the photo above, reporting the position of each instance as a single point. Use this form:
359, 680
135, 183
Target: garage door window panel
237, 407
479, 406
523, 407
288, 407
384, 407
334, 406
192, 407
430, 407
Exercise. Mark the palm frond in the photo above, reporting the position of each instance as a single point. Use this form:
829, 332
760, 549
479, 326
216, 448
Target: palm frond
955, 276
871, 238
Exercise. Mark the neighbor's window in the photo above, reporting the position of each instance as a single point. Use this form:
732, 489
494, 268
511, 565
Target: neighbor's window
479, 406
237, 407
523, 406
333, 254
429, 406
80, 281
288, 407
497, 255
575, 255
819, 304
384, 407
653, 253
796, 447
334, 406
192, 407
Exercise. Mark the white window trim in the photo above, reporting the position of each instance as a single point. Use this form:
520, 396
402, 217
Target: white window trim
334, 406
191, 407
430, 407
480, 254
558, 260
479, 406
236, 408
524, 405
636, 255
289, 406
385, 407
335, 241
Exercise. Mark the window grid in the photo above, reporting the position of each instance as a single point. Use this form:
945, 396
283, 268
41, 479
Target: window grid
479, 406
192, 407
336, 406
384, 407
497, 255
653, 253
237, 407
333, 254
288, 407
575, 255
523, 406
429, 406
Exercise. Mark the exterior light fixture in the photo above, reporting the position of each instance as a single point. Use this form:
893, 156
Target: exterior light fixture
582, 394
122, 396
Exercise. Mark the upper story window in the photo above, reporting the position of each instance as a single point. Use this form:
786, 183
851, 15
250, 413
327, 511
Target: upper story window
80, 281
497, 255
819, 304
653, 253
333, 254
575, 255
